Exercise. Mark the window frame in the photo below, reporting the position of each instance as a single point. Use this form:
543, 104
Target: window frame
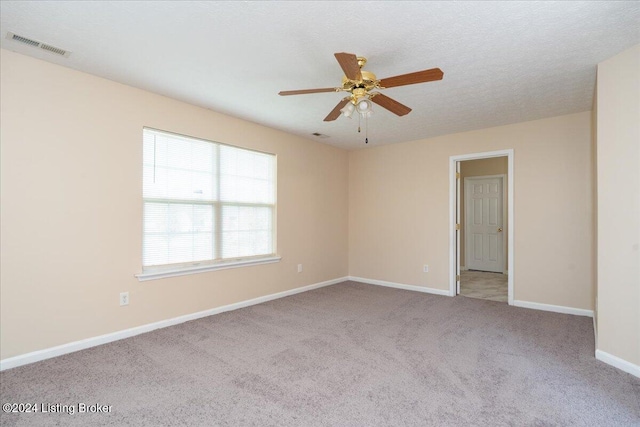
193, 267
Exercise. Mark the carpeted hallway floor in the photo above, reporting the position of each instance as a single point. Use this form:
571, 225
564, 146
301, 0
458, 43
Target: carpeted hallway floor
345, 355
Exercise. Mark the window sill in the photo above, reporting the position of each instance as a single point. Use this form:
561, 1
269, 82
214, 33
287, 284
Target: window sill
183, 271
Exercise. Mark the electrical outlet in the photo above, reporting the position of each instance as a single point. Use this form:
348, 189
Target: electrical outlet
425, 268
299, 268
124, 298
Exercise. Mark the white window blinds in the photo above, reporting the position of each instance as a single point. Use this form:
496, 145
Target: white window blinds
205, 202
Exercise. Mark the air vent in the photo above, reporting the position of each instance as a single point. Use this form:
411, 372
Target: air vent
319, 135
37, 44
23, 39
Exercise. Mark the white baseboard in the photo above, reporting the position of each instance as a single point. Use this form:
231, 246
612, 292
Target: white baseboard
47, 353
555, 308
619, 363
424, 289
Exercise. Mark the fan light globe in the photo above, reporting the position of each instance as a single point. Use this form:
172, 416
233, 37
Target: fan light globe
363, 106
347, 110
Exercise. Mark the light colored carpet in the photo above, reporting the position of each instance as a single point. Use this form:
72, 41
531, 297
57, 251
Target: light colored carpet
484, 285
346, 355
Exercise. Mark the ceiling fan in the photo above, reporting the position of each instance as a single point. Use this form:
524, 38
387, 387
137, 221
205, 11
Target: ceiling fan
361, 86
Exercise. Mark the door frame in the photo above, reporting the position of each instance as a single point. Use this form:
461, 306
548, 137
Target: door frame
454, 235
465, 226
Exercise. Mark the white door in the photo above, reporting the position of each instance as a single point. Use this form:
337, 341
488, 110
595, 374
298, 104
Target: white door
483, 218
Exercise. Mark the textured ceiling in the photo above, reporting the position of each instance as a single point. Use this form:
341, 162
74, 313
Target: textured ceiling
503, 62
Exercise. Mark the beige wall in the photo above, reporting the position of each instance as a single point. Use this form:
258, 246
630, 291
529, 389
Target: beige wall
399, 208
618, 141
483, 167
71, 147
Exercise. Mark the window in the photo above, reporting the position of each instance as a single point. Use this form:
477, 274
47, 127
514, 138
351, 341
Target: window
205, 203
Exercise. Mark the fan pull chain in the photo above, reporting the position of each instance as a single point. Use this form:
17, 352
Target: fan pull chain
359, 123
366, 130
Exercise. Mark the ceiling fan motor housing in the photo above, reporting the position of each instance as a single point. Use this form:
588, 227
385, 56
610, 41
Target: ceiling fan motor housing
360, 88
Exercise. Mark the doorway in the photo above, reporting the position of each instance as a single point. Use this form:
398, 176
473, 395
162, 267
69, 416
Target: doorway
481, 237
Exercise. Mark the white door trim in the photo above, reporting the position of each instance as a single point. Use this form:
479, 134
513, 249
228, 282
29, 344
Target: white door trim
458, 232
453, 261
502, 177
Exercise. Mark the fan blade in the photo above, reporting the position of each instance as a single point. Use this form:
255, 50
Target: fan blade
412, 78
335, 113
390, 104
349, 64
304, 91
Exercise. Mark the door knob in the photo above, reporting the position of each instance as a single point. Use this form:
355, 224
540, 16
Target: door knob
499, 229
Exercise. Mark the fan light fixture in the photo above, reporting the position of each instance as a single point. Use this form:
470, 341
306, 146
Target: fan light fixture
361, 104
362, 107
